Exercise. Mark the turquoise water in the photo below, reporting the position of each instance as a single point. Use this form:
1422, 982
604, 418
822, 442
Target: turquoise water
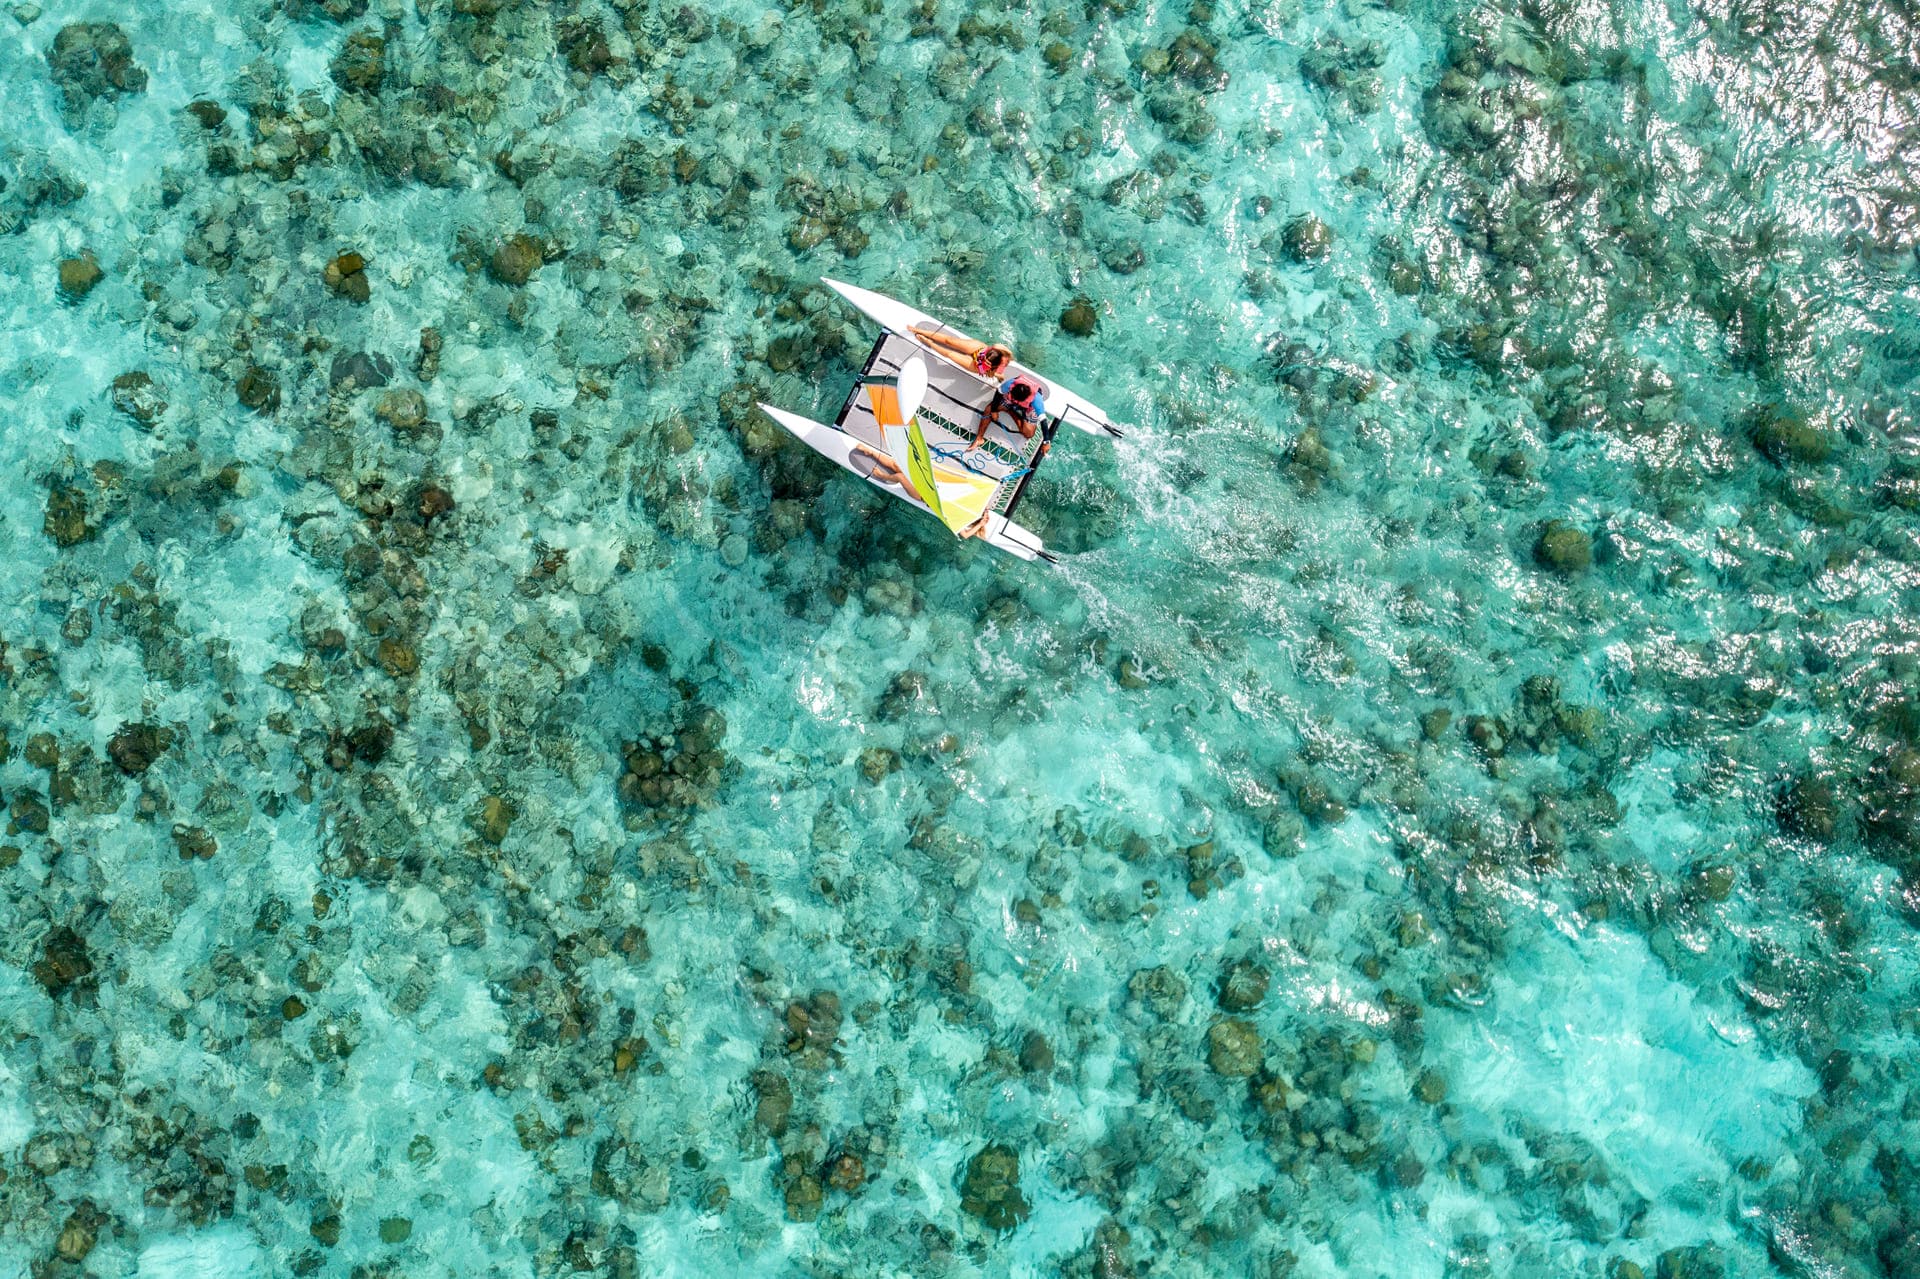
482, 802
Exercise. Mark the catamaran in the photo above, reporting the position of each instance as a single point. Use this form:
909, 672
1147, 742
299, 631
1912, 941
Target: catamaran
907, 424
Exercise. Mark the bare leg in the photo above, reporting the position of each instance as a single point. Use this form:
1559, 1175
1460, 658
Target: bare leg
960, 346
884, 467
986, 421
956, 350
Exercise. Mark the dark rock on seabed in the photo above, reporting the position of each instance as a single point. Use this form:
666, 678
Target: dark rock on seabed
990, 1188
93, 60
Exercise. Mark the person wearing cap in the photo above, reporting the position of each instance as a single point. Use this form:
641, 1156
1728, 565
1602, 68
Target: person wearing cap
1024, 398
988, 359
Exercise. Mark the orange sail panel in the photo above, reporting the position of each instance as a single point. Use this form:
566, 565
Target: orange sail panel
886, 404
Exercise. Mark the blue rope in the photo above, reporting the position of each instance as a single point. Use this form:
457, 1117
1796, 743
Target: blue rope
951, 453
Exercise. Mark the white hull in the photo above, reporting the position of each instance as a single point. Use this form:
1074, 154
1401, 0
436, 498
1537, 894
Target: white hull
833, 443
900, 318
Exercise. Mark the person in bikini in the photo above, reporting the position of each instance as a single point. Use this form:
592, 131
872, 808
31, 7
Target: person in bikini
989, 359
873, 464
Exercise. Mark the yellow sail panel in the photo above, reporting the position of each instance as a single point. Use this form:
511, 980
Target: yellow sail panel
964, 498
957, 497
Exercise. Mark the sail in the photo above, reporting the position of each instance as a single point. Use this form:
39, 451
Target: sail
958, 497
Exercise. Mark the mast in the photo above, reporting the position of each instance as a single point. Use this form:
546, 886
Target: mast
1046, 444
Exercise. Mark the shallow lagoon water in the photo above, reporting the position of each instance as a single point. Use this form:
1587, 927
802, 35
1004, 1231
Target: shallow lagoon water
480, 802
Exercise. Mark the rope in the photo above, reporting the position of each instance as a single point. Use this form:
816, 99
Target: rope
952, 453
